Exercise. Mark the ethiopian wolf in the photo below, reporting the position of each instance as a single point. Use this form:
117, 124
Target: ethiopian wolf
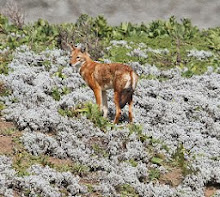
101, 77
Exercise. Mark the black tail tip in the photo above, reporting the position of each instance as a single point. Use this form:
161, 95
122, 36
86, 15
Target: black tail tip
126, 97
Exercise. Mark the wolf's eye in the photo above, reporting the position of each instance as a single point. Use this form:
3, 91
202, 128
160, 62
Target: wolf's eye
77, 57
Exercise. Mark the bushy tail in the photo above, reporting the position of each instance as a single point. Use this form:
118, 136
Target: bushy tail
126, 97
126, 94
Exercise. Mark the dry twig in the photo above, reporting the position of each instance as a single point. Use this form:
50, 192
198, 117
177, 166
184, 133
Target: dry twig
14, 13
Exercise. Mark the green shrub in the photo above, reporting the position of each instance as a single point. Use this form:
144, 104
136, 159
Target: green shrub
176, 36
213, 38
180, 161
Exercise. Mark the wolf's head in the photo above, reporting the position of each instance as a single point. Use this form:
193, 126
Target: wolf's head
78, 56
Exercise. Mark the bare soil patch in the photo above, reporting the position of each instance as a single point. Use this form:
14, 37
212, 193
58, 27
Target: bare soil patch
174, 177
5, 125
210, 191
91, 178
6, 145
6, 139
59, 162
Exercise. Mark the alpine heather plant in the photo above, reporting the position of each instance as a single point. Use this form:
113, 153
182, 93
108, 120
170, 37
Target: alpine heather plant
142, 51
145, 69
200, 55
38, 143
119, 43
45, 181
138, 53
171, 112
6, 176
32, 87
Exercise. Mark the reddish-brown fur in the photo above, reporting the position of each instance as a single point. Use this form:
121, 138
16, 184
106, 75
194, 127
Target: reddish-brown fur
100, 77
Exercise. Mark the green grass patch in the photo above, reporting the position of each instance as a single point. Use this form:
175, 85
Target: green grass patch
133, 162
8, 131
22, 160
154, 174
126, 190
179, 160
57, 93
119, 54
4, 91
154, 77
100, 151
59, 72
75, 168
91, 111
2, 107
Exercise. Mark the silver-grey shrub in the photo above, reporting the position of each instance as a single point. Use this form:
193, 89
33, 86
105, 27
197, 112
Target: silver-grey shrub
173, 112
7, 175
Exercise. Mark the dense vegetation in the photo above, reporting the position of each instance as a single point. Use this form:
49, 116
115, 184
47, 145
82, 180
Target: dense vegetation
62, 146
178, 37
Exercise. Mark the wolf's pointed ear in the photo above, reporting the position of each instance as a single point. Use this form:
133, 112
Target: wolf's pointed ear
83, 48
71, 47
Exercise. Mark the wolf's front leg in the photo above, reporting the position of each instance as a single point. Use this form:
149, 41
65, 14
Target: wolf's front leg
98, 97
104, 104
